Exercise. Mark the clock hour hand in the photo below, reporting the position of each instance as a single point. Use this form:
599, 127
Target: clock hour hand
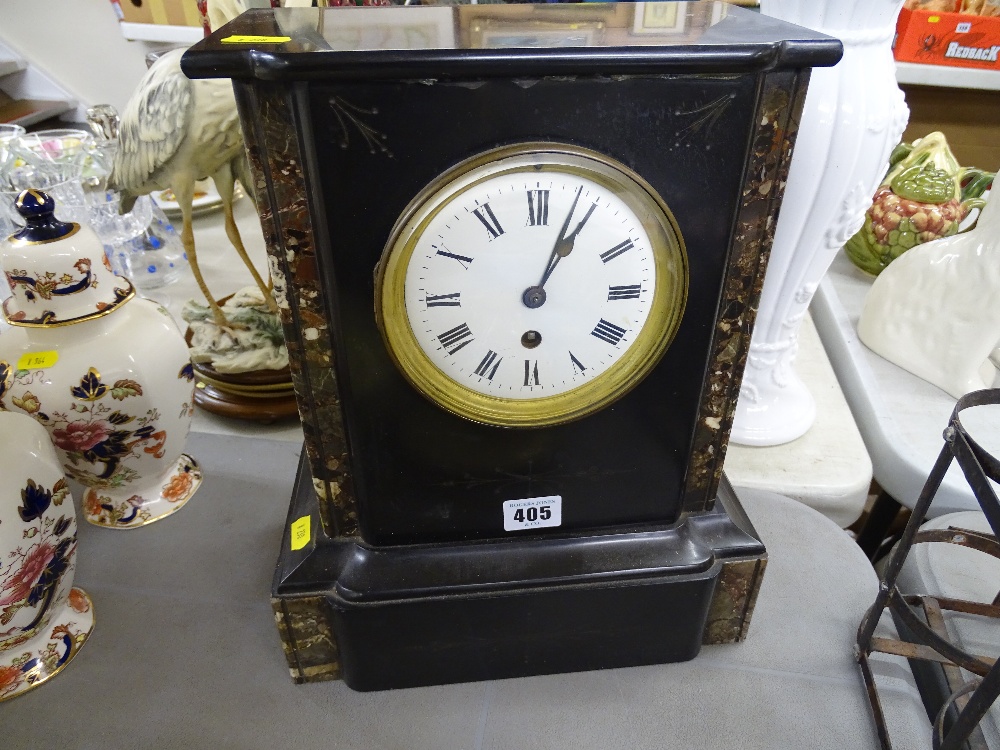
534, 296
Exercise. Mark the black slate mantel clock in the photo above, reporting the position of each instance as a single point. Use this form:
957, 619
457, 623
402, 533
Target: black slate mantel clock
517, 250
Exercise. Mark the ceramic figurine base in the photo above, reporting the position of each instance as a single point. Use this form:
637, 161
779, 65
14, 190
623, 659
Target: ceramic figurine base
130, 509
263, 396
406, 616
26, 666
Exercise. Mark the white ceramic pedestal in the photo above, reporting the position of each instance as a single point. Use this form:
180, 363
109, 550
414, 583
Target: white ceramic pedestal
854, 115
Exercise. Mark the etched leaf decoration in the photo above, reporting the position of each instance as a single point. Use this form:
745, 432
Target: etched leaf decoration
29, 402
31, 533
91, 388
60, 491
122, 389
119, 417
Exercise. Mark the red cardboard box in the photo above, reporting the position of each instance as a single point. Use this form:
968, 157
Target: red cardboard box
948, 39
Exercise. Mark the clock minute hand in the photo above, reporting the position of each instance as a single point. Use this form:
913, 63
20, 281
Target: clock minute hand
534, 296
564, 245
557, 250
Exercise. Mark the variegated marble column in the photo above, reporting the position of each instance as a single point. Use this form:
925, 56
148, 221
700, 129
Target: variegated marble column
854, 115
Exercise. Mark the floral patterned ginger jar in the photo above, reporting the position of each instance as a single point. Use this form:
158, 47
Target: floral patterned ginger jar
44, 620
106, 372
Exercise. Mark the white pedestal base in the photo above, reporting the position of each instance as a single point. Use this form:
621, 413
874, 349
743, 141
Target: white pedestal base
770, 412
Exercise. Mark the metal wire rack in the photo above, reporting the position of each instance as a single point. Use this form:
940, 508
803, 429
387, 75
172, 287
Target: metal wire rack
920, 619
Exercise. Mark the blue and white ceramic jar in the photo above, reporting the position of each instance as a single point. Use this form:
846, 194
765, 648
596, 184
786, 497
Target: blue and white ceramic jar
44, 620
107, 373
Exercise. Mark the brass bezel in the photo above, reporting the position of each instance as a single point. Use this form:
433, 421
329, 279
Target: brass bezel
666, 309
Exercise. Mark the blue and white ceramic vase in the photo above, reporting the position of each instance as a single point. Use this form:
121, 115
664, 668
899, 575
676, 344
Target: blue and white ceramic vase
44, 620
106, 372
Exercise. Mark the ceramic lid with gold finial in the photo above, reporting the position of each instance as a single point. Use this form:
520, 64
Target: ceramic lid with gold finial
57, 270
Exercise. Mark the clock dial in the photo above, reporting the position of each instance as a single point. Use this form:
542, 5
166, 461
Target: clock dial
530, 283
532, 287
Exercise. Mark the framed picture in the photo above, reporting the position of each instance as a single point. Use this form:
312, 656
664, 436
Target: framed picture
719, 11
389, 28
659, 18
487, 33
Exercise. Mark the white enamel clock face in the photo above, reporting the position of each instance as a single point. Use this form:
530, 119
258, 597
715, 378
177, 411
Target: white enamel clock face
533, 287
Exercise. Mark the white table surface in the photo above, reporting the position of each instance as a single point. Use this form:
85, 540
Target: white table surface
827, 469
900, 416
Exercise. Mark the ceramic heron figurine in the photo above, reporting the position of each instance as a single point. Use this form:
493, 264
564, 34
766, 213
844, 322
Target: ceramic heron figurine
175, 131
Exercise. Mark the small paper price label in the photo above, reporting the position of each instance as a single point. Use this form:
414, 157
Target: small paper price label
37, 360
251, 39
532, 513
300, 532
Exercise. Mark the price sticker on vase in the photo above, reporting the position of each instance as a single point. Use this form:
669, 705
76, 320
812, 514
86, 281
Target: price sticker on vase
532, 513
37, 360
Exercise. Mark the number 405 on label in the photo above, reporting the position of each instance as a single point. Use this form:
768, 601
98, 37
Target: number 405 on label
532, 513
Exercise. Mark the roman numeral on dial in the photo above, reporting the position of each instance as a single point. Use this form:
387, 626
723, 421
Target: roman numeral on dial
627, 291
531, 372
577, 364
538, 208
609, 332
456, 338
445, 300
488, 367
489, 220
617, 250
460, 258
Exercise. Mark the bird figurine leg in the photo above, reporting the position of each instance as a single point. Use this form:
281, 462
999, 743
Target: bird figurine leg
184, 193
224, 184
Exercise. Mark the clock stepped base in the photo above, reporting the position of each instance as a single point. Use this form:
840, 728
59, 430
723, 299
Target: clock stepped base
407, 616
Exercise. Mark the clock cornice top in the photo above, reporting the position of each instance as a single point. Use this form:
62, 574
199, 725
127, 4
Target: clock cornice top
482, 41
